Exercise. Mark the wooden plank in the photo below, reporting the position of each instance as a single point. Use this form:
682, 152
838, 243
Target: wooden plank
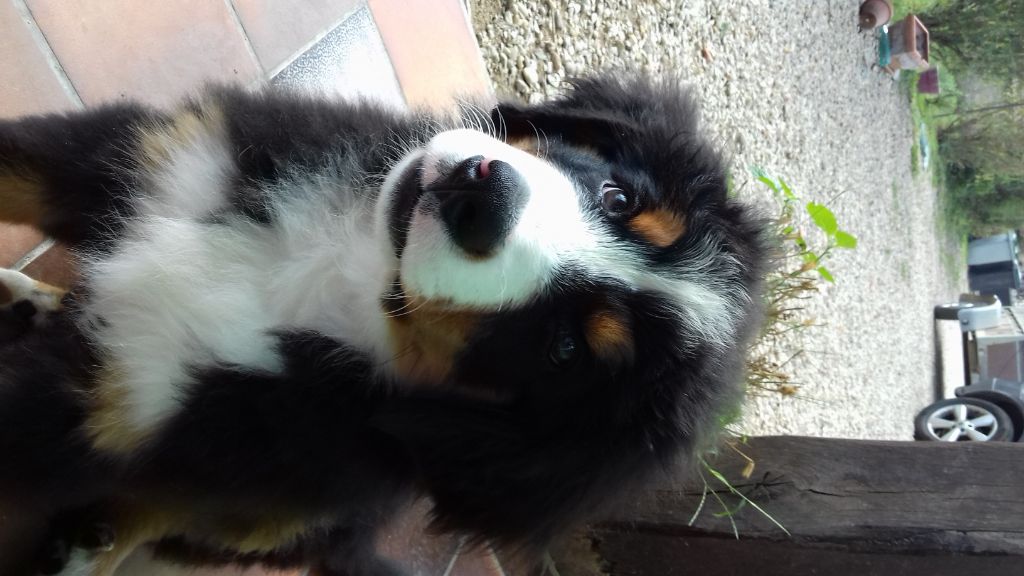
851, 506
642, 554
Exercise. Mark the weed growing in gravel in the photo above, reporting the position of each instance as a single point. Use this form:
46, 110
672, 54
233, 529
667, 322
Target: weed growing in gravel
798, 271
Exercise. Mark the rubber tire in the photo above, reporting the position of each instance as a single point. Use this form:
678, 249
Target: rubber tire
1007, 404
1004, 426
951, 311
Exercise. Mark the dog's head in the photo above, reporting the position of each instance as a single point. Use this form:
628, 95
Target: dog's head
574, 294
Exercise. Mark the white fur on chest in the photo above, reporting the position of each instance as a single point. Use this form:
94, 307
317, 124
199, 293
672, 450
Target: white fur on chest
181, 294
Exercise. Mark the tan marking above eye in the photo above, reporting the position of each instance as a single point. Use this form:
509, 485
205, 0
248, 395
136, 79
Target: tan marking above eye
609, 336
659, 226
426, 339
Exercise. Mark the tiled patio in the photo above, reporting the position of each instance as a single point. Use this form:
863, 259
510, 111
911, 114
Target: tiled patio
64, 56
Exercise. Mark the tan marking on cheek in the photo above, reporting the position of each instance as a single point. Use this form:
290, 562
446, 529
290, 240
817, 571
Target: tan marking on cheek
660, 227
609, 336
107, 423
21, 199
427, 338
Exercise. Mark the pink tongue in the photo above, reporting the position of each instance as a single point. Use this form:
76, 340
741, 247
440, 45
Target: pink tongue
485, 168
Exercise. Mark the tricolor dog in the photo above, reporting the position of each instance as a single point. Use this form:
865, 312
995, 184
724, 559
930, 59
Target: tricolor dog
296, 315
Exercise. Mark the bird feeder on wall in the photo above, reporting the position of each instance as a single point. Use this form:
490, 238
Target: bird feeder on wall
908, 40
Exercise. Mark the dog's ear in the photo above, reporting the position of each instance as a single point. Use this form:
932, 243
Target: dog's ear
605, 106
581, 127
500, 474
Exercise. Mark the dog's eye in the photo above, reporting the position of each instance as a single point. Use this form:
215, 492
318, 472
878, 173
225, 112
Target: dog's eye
617, 201
564, 349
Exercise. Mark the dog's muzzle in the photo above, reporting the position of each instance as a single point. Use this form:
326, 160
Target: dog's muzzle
480, 203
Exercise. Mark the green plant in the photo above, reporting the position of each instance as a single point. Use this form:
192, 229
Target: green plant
903, 7
987, 203
741, 499
928, 114
798, 270
799, 267
981, 35
975, 128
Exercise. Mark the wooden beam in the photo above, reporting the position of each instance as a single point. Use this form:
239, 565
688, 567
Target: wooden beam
850, 507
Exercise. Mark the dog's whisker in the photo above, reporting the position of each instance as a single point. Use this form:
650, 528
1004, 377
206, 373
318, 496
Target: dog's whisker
536, 134
503, 131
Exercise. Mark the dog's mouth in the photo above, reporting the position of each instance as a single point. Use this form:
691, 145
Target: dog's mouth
407, 195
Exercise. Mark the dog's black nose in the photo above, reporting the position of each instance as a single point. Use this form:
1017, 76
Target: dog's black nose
481, 201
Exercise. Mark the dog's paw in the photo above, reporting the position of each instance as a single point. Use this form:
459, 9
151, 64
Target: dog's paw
71, 550
24, 303
29, 297
19, 291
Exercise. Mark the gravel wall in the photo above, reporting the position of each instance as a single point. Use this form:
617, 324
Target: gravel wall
789, 86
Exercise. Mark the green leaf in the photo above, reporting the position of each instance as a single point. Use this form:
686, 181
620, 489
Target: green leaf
718, 476
799, 241
769, 182
700, 505
826, 274
809, 257
823, 217
786, 190
845, 240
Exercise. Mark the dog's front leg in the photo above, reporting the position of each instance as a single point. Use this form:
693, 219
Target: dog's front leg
75, 543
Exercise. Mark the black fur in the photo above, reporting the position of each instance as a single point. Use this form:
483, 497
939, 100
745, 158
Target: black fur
49, 468
77, 159
512, 448
16, 319
274, 133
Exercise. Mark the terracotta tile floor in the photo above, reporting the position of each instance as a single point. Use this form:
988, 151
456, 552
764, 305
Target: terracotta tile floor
113, 49
60, 56
28, 83
277, 30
